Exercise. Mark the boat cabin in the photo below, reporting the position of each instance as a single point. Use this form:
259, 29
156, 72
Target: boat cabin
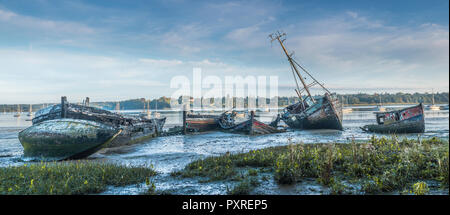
385, 118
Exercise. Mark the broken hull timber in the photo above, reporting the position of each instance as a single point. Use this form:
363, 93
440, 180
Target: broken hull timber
134, 129
254, 127
138, 133
325, 114
62, 139
410, 120
251, 126
201, 123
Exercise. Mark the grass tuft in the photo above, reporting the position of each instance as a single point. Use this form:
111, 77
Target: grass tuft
79, 177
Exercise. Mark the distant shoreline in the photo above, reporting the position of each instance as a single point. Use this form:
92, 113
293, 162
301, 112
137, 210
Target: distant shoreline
280, 106
384, 104
164, 103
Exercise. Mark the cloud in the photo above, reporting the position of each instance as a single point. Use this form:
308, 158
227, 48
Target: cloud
35, 74
127, 53
43, 25
6, 15
42, 76
345, 51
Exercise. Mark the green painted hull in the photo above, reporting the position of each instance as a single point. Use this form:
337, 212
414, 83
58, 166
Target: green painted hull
62, 139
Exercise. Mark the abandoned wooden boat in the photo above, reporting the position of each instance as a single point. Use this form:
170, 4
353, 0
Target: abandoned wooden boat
200, 122
250, 126
134, 129
407, 120
318, 112
60, 139
323, 114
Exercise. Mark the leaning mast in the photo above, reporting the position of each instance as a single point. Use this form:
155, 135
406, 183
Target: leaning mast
277, 36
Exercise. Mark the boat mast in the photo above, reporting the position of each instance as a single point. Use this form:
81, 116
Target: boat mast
277, 36
117, 107
432, 96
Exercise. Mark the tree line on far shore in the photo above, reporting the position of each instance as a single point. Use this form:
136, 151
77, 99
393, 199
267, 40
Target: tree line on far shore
347, 99
398, 98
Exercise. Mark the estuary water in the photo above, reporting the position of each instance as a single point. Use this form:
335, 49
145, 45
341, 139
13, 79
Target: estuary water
170, 153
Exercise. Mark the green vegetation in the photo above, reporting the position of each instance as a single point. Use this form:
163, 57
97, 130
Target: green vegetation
244, 187
376, 166
420, 188
80, 177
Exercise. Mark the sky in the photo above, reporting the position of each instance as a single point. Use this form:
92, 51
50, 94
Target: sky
116, 49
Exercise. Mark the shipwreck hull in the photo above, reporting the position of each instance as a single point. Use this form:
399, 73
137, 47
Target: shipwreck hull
138, 133
326, 114
134, 129
74, 111
201, 122
252, 127
62, 139
407, 120
201, 125
409, 126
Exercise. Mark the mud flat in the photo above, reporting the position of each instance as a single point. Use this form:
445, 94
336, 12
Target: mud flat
378, 166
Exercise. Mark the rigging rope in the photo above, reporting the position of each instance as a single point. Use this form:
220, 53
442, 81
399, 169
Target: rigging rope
295, 78
311, 76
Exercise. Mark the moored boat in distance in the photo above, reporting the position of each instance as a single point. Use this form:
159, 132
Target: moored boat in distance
406, 120
433, 106
19, 112
30, 112
61, 139
347, 110
380, 108
312, 112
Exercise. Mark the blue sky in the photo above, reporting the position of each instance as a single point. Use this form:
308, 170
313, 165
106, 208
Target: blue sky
111, 50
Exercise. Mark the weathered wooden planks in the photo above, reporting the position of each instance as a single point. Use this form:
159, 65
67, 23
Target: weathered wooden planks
406, 120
